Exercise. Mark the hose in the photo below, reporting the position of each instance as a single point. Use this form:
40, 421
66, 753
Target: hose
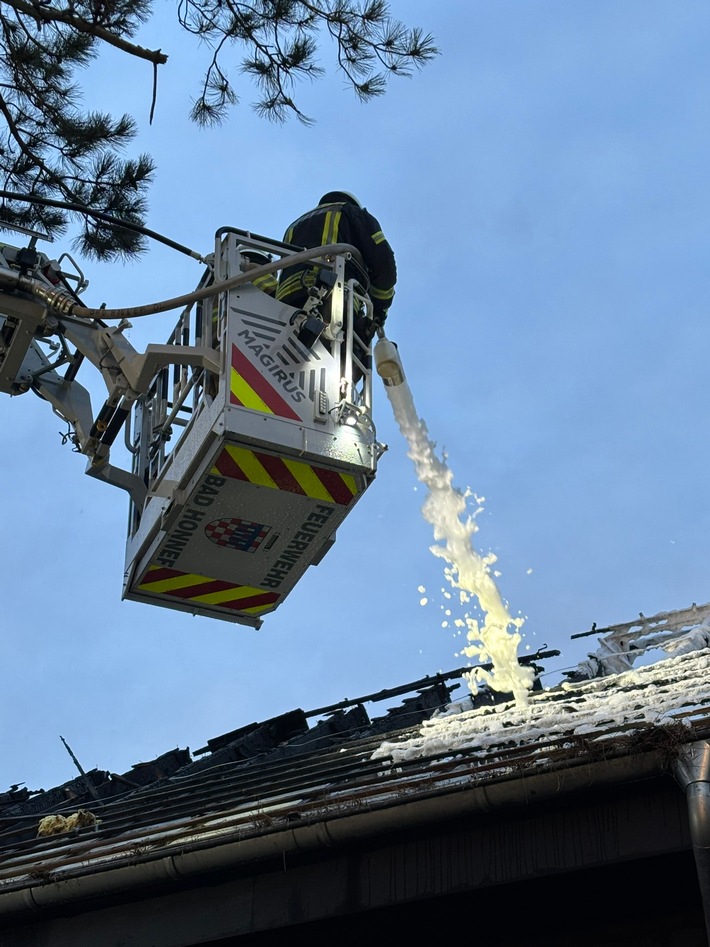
58, 301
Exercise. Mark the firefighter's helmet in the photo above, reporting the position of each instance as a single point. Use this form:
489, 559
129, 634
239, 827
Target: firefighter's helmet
337, 197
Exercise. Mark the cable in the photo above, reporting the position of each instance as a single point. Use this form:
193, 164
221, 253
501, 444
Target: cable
106, 218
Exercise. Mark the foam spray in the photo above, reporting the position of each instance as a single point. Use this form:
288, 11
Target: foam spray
496, 638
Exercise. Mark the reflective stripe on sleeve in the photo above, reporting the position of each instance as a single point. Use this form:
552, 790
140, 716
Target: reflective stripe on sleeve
381, 293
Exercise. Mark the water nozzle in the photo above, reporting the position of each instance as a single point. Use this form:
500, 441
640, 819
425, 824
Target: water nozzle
388, 363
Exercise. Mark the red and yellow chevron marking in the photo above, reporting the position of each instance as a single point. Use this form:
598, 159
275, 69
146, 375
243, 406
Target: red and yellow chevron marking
249, 389
202, 590
281, 473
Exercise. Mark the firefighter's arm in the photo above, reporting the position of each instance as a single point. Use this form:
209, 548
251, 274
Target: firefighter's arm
379, 258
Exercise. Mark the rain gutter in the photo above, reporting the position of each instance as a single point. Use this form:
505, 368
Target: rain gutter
391, 811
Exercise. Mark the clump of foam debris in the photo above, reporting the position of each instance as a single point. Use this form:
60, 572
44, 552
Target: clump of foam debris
58, 824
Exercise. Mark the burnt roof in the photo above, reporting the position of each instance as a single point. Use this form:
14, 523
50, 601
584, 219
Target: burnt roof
253, 790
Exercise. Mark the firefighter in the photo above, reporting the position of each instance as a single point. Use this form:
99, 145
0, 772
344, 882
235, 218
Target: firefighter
341, 218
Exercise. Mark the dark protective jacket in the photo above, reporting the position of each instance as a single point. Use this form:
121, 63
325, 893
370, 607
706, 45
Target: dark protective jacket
338, 219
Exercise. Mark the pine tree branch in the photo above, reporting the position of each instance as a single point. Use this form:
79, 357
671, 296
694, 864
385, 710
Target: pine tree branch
52, 15
282, 39
49, 146
31, 154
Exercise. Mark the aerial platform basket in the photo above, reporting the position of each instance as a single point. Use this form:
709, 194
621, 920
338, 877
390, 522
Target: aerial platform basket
250, 472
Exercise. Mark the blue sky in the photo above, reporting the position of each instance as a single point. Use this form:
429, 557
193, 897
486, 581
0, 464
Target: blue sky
544, 185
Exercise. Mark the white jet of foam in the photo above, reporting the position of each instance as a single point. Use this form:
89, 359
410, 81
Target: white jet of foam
497, 639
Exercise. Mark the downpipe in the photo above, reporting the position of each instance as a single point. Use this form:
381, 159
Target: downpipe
692, 770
